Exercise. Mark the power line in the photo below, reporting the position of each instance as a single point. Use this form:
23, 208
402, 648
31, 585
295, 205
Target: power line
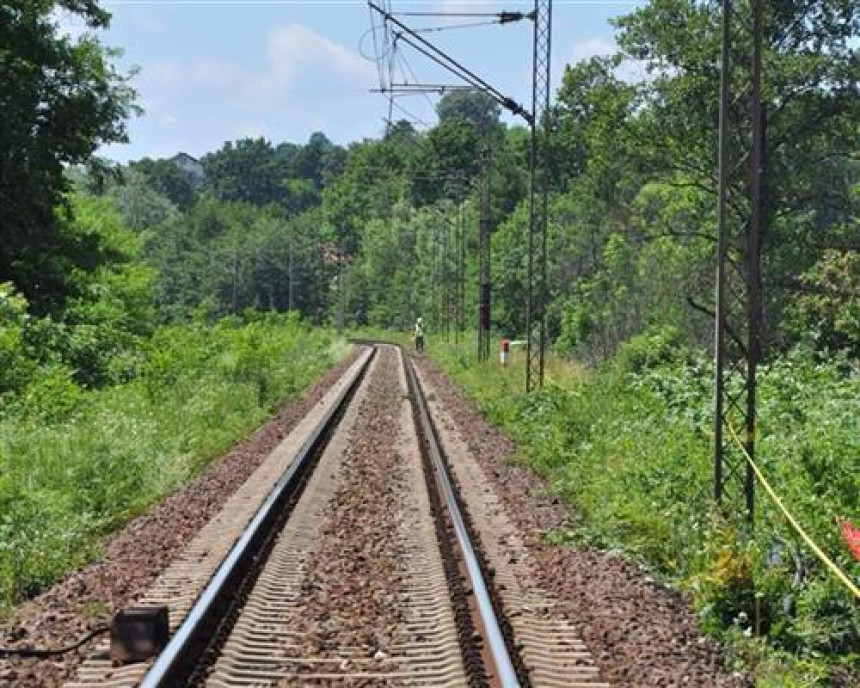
450, 27
468, 76
409, 69
422, 45
538, 119
413, 117
446, 14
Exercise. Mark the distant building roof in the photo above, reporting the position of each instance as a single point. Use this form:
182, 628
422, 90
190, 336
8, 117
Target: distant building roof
191, 165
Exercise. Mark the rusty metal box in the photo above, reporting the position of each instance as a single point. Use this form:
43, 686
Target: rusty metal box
138, 634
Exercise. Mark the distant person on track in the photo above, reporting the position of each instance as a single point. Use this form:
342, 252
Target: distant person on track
419, 335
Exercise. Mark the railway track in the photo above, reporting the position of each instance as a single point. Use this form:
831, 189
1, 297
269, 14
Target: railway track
366, 550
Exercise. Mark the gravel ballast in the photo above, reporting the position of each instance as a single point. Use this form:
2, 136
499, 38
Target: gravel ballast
137, 554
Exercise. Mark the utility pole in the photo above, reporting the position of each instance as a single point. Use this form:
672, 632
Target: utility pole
290, 302
538, 120
341, 290
446, 277
436, 310
738, 317
461, 269
484, 258
235, 279
411, 274
541, 129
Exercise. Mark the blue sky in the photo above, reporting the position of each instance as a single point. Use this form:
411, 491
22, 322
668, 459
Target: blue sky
217, 70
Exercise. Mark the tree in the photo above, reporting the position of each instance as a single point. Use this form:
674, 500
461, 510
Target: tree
375, 177
319, 161
811, 103
447, 162
594, 115
248, 171
401, 131
827, 311
168, 180
60, 100
475, 107
140, 206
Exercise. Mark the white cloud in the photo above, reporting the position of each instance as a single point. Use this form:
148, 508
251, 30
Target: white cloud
166, 76
470, 5
294, 48
634, 71
167, 119
298, 82
251, 130
295, 56
630, 70
592, 47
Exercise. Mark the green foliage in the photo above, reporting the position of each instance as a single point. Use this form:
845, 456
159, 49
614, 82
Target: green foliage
446, 162
105, 394
61, 100
76, 464
373, 180
827, 311
248, 171
650, 350
168, 180
628, 447
234, 256
139, 205
16, 365
475, 107
812, 105
95, 340
253, 171
317, 162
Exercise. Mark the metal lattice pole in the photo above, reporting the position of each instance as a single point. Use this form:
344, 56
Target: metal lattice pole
461, 270
437, 311
446, 275
738, 289
538, 196
484, 250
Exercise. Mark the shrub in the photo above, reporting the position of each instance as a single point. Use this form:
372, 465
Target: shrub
629, 447
651, 349
76, 464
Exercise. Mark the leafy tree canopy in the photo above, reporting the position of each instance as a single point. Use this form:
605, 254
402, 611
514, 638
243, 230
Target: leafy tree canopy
475, 107
166, 178
60, 100
247, 170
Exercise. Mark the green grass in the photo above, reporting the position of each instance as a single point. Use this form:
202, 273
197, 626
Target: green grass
76, 465
628, 446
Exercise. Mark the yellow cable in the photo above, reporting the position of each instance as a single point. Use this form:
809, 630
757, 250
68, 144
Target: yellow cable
815, 548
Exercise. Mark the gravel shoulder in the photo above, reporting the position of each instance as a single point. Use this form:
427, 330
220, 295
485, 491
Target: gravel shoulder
136, 555
640, 633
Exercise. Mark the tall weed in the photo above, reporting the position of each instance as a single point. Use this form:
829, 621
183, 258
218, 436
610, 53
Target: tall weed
629, 446
76, 464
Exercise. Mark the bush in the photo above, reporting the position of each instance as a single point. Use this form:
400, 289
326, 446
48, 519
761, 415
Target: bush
651, 349
75, 464
629, 448
17, 367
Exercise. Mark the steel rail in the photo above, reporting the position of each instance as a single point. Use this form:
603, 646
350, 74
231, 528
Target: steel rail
193, 637
507, 675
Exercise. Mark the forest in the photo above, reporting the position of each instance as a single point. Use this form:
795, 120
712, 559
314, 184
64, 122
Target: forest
139, 302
